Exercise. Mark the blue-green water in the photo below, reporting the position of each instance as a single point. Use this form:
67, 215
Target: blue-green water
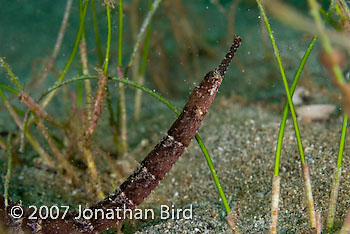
187, 40
29, 31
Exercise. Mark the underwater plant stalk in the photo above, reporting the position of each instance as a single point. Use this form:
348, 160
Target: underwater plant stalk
346, 9
36, 146
84, 147
13, 78
106, 59
3, 144
314, 8
96, 182
292, 89
85, 68
60, 157
108, 45
303, 23
121, 108
213, 172
141, 75
144, 26
12, 90
58, 43
120, 34
37, 109
15, 117
318, 222
10, 109
233, 223
9, 168
71, 57
97, 34
337, 175
332, 59
23, 130
340, 14
99, 101
151, 171
346, 226
306, 175
340, 81
276, 180
79, 95
170, 106
286, 107
285, 82
42, 153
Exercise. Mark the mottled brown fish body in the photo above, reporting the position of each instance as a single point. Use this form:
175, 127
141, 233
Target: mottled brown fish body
151, 170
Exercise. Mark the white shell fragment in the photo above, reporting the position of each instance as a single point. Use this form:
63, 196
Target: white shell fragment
315, 112
299, 95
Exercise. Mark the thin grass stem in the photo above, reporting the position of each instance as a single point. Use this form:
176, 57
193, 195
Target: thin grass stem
292, 89
122, 121
121, 108
314, 8
336, 179
285, 82
318, 222
346, 9
276, 180
71, 57
42, 153
340, 13
71, 172
286, 107
84, 62
13, 78
58, 43
23, 130
99, 102
275, 198
144, 26
45, 102
10, 109
298, 21
97, 34
212, 170
115, 79
338, 75
233, 223
108, 46
79, 95
170, 106
346, 226
25, 98
141, 75
8, 106
9, 169
106, 62
120, 34
306, 176
12, 90
37, 109
3, 144
96, 182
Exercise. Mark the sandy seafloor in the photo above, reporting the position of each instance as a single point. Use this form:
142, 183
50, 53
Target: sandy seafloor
242, 140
